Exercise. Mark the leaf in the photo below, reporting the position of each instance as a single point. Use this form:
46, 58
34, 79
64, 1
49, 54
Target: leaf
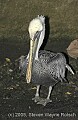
7, 60
68, 93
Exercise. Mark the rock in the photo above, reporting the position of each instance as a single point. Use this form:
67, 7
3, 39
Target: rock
72, 49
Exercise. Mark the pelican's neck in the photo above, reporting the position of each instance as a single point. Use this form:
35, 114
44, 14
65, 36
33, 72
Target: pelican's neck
27, 56
40, 43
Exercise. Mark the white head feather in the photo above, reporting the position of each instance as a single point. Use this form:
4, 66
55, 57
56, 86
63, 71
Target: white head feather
36, 25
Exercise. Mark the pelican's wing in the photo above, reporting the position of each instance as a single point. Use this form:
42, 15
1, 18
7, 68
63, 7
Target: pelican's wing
46, 56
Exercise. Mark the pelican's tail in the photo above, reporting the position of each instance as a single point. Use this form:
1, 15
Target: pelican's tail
69, 69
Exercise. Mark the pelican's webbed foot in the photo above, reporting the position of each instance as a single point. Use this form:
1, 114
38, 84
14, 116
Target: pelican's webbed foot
37, 99
44, 101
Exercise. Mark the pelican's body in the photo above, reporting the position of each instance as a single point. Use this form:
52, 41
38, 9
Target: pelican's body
48, 68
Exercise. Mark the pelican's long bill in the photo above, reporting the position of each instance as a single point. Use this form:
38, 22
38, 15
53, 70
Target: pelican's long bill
29, 67
33, 48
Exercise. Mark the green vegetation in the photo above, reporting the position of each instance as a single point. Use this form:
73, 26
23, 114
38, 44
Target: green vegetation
16, 15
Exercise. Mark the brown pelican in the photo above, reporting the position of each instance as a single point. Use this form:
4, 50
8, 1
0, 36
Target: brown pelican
42, 67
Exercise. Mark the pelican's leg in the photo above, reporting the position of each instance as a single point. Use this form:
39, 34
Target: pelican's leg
47, 100
37, 98
50, 89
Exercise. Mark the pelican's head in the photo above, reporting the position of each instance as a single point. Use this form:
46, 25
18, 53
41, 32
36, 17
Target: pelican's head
36, 32
36, 25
